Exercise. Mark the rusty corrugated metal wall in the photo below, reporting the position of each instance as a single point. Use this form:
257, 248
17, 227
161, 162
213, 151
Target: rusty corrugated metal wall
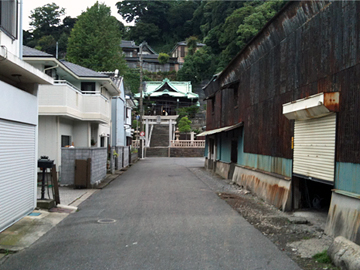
310, 47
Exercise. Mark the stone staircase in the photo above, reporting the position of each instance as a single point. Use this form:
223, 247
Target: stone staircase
160, 136
159, 142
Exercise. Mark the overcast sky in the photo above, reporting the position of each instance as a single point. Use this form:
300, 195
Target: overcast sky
73, 8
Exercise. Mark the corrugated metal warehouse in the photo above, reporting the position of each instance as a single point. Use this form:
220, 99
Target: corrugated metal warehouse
283, 118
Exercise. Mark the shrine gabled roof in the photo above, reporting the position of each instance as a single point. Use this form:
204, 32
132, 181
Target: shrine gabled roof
166, 87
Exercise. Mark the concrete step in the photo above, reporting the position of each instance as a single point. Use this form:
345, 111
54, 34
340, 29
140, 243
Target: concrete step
157, 152
160, 136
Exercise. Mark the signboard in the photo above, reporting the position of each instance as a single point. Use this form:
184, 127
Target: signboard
142, 133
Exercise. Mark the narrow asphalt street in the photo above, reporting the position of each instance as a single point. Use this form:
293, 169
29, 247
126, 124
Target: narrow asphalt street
165, 218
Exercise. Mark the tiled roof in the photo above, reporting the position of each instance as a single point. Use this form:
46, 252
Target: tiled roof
128, 44
82, 71
198, 44
30, 52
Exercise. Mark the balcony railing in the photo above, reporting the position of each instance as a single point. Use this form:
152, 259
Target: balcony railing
178, 144
68, 84
63, 98
135, 144
188, 144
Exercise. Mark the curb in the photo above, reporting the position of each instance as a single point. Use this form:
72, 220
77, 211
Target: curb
345, 254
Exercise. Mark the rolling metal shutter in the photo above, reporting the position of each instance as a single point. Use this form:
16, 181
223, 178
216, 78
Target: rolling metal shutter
17, 171
314, 148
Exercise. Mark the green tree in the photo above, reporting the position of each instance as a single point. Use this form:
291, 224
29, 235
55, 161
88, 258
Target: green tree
158, 22
94, 40
184, 124
163, 58
47, 44
47, 29
192, 44
45, 18
132, 80
255, 21
198, 67
144, 31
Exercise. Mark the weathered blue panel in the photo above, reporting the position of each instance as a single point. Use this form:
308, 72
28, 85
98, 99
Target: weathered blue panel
282, 166
348, 177
206, 147
225, 150
218, 143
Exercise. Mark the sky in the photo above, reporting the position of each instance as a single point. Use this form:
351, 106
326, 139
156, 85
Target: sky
73, 8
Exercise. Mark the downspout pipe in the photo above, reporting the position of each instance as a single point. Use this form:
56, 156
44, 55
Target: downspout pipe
21, 30
45, 69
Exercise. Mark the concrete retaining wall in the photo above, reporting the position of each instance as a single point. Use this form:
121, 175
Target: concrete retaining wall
344, 217
98, 163
274, 190
222, 169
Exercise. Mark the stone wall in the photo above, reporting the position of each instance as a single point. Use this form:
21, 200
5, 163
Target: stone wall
98, 164
187, 152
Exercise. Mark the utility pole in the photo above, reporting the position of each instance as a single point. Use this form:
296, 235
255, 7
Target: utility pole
141, 99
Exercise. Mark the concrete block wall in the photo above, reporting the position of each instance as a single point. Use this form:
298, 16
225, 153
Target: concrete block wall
134, 157
67, 173
98, 163
126, 156
119, 159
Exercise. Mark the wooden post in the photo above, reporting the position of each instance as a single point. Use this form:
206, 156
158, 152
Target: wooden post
55, 184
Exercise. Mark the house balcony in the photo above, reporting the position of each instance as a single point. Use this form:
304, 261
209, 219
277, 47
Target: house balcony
65, 99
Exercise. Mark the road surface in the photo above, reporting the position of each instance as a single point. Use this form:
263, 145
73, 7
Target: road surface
157, 215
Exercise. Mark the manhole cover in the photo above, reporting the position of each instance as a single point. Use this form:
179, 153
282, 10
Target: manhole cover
106, 221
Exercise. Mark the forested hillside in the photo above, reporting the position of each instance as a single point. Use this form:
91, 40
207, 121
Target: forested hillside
224, 26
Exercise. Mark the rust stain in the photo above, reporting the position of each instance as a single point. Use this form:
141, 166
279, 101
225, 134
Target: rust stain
331, 101
273, 194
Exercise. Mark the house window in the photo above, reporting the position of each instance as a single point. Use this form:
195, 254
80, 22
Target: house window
102, 141
8, 17
88, 87
65, 140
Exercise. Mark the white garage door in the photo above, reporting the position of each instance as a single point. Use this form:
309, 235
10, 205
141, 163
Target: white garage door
314, 148
17, 171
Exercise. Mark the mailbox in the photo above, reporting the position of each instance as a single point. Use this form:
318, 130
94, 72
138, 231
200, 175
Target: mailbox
45, 163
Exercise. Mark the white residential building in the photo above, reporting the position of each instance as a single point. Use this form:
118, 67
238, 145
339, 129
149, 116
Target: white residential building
76, 110
18, 119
